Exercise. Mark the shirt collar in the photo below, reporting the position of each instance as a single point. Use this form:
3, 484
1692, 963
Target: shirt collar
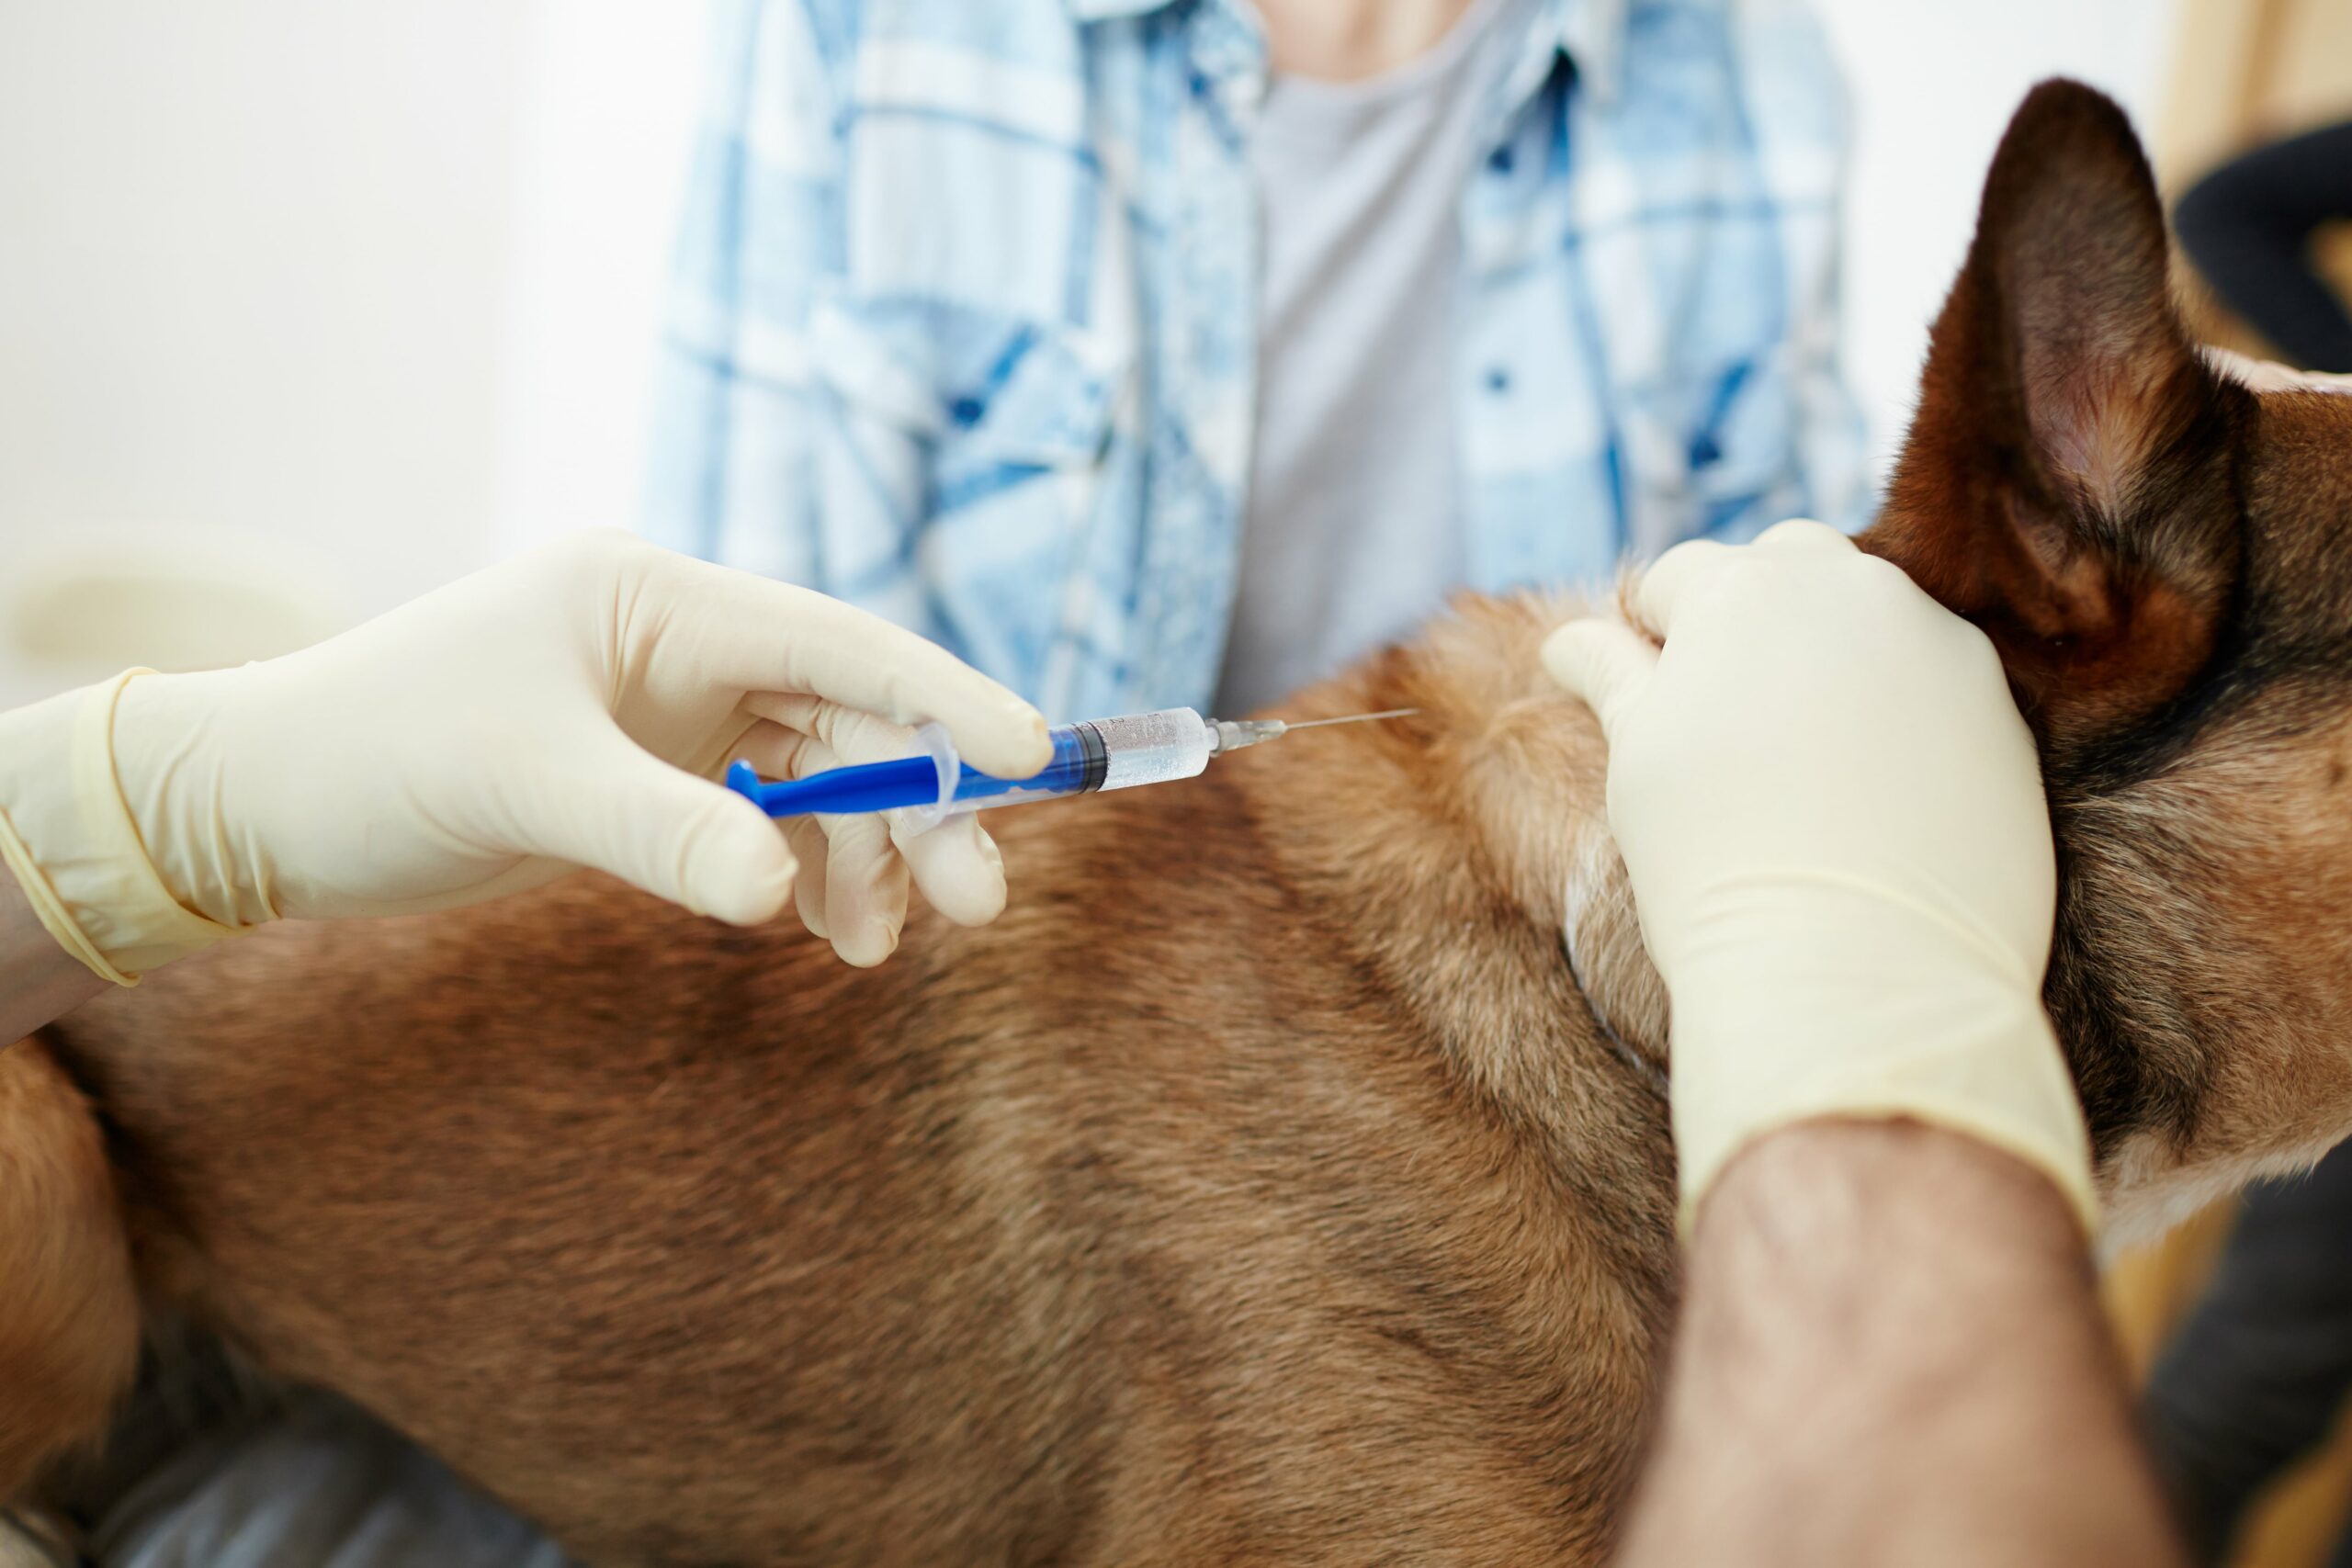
1592, 33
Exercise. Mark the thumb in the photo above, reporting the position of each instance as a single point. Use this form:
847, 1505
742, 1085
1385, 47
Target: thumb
678, 837
1607, 663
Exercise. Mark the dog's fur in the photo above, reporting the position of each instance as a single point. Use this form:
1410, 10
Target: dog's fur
1268, 1184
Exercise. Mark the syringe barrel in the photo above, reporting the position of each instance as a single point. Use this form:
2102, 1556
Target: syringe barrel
1095, 754
1151, 748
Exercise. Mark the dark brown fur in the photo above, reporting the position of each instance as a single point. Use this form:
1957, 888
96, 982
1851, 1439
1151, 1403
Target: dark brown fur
2160, 556
1268, 1185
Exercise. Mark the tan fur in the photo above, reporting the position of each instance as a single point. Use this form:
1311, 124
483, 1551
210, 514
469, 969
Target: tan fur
1259, 1189
69, 1314
1285, 1176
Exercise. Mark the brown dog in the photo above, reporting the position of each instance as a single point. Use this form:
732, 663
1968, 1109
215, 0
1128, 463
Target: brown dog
1268, 1184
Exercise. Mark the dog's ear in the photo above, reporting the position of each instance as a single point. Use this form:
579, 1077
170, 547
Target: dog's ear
2066, 482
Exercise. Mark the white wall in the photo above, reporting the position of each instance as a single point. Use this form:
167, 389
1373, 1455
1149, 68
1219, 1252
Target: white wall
251, 263
607, 108
343, 299
1933, 83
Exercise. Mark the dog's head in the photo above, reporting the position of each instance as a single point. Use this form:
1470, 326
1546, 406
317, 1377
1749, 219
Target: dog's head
2163, 558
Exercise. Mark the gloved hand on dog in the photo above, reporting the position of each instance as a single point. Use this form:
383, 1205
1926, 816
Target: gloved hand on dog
1833, 818
567, 709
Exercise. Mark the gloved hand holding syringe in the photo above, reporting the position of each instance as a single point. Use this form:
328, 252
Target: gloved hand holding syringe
1092, 754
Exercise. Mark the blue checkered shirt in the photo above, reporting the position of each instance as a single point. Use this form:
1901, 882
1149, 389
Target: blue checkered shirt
964, 327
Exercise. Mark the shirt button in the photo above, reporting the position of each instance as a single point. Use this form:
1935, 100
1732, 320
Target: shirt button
1501, 160
1499, 379
965, 411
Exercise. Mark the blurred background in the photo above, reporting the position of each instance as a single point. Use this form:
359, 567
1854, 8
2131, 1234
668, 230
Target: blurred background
315, 306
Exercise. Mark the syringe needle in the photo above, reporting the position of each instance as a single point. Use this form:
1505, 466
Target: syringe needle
1230, 735
1353, 719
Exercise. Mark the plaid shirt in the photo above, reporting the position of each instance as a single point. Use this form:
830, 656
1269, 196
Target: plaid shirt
964, 329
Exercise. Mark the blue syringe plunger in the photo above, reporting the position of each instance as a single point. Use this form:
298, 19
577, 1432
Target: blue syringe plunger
1100, 753
1092, 754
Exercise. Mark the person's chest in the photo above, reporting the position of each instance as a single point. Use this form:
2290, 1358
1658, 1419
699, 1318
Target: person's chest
1062, 236
1051, 310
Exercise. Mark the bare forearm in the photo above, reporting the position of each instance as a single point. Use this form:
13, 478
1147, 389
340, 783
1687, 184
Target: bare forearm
40, 981
1891, 1352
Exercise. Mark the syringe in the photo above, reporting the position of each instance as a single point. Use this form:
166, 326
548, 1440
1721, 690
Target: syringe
1092, 754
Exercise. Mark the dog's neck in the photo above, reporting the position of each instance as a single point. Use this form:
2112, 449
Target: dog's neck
1481, 883
2188, 1030
1472, 844
1611, 966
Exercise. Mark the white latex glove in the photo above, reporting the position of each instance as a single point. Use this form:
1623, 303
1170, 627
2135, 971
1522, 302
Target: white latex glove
1833, 818
567, 709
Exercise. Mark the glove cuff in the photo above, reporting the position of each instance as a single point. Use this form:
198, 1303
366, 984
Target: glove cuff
1855, 1004
2002, 1082
68, 837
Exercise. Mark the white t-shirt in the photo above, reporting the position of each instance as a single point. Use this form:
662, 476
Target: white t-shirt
1352, 532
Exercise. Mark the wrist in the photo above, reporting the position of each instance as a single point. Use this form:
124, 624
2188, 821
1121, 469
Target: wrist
1868, 1022
1882, 1326
74, 846
1895, 1262
164, 745
41, 978
1792, 1188
2003, 1086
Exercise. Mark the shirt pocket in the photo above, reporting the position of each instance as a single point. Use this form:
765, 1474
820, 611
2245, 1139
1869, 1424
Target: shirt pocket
977, 393
997, 428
